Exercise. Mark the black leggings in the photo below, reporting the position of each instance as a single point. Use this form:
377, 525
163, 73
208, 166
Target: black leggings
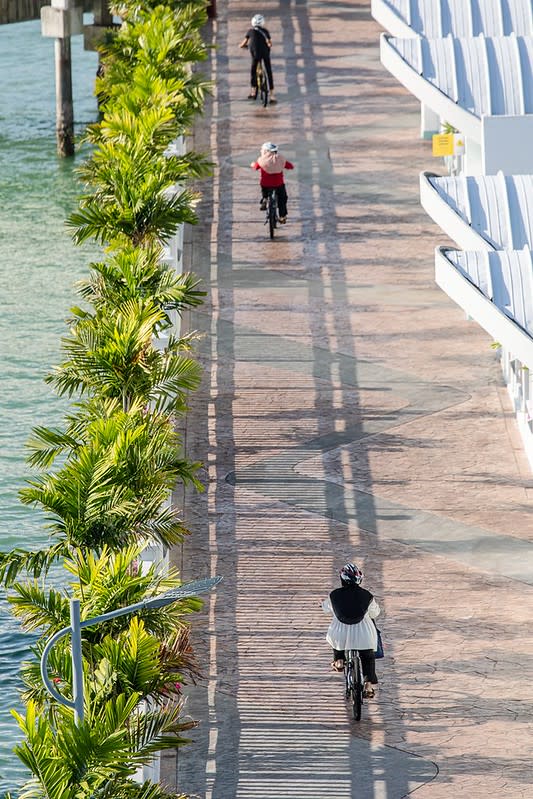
268, 67
281, 193
368, 662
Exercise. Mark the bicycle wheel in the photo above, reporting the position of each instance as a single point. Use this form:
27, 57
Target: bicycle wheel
263, 88
272, 213
348, 678
357, 692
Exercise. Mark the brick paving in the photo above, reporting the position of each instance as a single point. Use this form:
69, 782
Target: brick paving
348, 412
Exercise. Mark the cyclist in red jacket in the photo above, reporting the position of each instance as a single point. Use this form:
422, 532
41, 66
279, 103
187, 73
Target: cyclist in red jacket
271, 164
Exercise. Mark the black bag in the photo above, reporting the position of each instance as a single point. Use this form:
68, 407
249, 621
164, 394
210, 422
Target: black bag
379, 648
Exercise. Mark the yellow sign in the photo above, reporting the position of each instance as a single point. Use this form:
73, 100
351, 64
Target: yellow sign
443, 144
458, 144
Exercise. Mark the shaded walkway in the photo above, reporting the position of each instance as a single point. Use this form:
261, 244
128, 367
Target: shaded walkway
348, 411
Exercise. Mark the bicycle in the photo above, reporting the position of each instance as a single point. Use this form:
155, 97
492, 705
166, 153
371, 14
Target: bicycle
271, 211
354, 682
261, 84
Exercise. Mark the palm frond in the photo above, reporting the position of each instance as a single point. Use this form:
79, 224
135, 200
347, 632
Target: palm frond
37, 607
158, 729
35, 563
145, 790
141, 220
46, 444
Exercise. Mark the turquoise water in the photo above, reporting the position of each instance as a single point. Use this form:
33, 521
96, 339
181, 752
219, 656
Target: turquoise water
38, 267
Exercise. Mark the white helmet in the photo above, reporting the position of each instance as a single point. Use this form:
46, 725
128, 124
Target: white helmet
258, 21
269, 147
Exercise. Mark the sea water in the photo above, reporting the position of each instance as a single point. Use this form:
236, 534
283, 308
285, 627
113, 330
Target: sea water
38, 268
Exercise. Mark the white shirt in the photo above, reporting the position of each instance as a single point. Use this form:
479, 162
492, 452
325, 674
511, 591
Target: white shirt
353, 636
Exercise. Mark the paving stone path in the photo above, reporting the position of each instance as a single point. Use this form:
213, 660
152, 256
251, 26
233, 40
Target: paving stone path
348, 412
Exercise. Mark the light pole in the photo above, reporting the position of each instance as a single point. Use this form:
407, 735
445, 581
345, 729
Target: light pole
76, 626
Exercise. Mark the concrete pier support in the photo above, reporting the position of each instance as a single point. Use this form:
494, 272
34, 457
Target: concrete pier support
60, 21
64, 103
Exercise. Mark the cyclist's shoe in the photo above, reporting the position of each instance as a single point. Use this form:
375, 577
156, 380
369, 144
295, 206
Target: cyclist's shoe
338, 665
263, 204
272, 98
252, 95
369, 691
282, 220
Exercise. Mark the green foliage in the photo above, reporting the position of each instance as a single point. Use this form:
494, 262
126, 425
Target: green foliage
19, 560
98, 758
148, 653
114, 580
130, 205
137, 273
163, 37
446, 127
111, 354
107, 473
39, 608
151, 96
133, 661
71, 761
112, 488
118, 469
143, 87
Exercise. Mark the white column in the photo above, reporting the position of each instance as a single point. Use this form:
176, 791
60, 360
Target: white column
472, 162
429, 122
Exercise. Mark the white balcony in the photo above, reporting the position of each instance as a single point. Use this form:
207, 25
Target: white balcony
482, 86
437, 18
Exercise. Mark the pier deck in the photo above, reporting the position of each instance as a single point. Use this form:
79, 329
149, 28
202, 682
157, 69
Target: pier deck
348, 412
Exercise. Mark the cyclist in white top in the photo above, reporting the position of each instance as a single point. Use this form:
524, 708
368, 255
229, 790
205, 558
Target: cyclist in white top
352, 627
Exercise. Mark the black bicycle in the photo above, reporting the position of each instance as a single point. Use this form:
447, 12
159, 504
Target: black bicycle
354, 682
271, 212
262, 86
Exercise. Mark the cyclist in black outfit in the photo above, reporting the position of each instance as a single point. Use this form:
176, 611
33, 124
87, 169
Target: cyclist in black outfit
259, 43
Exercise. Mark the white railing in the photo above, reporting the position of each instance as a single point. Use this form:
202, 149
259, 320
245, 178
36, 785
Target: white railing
153, 553
519, 382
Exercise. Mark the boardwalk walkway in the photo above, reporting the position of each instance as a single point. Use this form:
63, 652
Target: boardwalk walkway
348, 411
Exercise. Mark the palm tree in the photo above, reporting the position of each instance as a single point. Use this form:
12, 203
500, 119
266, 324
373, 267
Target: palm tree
148, 654
147, 62
110, 354
136, 129
177, 98
133, 273
126, 661
162, 36
133, 201
103, 582
118, 454
99, 758
110, 491
133, 195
